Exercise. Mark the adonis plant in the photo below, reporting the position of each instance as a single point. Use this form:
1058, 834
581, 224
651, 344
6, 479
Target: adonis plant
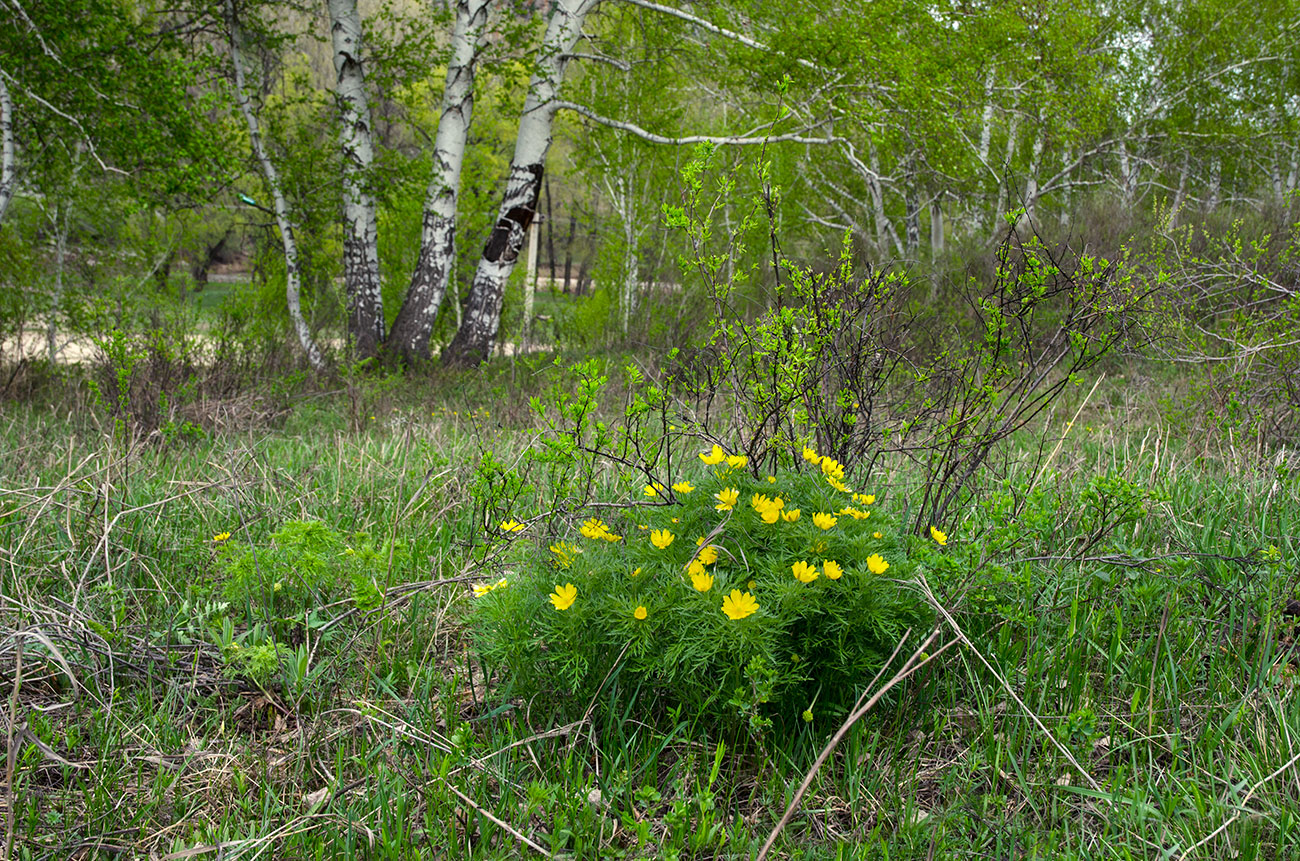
741, 596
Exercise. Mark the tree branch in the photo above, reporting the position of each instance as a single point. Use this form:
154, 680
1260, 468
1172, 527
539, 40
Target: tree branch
721, 31
651, 137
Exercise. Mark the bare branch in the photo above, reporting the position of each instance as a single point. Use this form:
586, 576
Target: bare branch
622, 65
721, 140
721, 31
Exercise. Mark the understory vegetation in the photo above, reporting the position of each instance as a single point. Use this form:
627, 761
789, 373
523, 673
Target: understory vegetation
263, 642
851, 575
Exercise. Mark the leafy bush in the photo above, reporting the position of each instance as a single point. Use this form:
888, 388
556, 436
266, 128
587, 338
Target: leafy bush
286, 590
738, 596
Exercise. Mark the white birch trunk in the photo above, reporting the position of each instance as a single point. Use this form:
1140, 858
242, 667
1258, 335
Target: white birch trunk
1125, 175
6, 147
409, 338
61, 219
1216, 177
986, 120
1031, 181
477, 334
1067, 191
530, 282
293, 282
360, 230
1000, 209
631, 275
1180, 196
884, 227
1275, 174
936, 228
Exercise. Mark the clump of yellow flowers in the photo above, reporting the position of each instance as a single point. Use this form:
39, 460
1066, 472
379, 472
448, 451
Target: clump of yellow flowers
697, 591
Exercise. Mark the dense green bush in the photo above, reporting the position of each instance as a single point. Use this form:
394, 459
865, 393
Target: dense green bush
736, 596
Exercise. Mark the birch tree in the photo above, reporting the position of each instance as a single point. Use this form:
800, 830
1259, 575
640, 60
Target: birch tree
409, 339
8, 166
477, 334
360, 229
283, 217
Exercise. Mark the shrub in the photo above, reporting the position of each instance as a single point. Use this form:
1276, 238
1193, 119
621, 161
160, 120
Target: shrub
740, 597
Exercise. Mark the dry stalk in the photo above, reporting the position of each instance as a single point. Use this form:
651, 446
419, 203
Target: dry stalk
915, 661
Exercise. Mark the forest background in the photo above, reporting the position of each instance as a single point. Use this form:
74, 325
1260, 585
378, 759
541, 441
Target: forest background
302, 303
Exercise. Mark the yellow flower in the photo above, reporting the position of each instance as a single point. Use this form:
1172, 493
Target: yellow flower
482, 589
811, 456
877, 535
832, 570
653, 490
790, 516
803, 572
838, 485
702, 582
500, 583
695, 567
564, 596
876, 564
824, 521
714, 457
941, 537
739, 604
683, 487
727, 499
637, 571
737, 461
639, 613
832, 468
768, 509
708, 555
220, 537
751, 585
565, 553
661, 538
594, 528
771, 479
855, 513
865, 498
512, 526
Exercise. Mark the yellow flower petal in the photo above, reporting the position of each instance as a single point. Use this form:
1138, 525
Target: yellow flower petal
823, 520
661, 538
727, 499
564, 596
941, 537
739, 604
702, 582
803, 572
832, 570
876, 564
716, 456
639, 613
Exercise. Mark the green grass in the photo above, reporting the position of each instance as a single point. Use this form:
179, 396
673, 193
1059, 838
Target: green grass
1159, 658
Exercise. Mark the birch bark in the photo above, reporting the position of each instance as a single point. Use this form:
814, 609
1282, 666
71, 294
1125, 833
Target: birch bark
1000, 208
6, 147
478, 331
360, 230
293, 278
409, 339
